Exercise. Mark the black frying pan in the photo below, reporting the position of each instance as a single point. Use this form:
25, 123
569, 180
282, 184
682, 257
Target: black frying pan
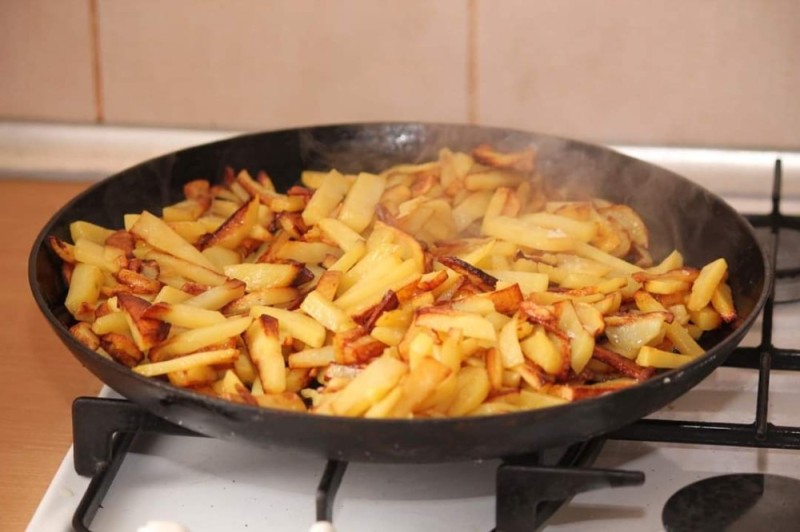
680, 215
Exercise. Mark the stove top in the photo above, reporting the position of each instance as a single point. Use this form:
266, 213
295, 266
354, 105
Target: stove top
207, 484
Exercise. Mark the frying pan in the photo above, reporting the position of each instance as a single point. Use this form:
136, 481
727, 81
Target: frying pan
679, 213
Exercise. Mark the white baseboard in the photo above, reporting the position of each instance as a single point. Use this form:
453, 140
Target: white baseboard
87, 152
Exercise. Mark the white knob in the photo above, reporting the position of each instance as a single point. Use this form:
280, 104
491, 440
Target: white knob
161, 526
322, 526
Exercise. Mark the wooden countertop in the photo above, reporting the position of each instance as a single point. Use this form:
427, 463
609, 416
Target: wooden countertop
39, 378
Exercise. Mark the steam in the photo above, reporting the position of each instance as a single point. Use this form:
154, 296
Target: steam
679, 214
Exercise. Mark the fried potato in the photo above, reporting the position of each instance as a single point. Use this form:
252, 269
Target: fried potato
121, 348
281, 401
146, 332
508, 344
580, 341
264, 346
369, 386
471, 325
186, 316
418, 385
527, 234
707, 318
370, 289
263, 275
344, 237
187, 269
236, 228
184, 363
158, 234
722, 301
307, 252
312, 358
579, 230
358, 206
84, 291
706, 284
217, 297
295, 324
195, 339
545, 351
472, 388
92, 232
194, 377
330, 191
241, 304
472, 208
528, 282
85, 334
115, 322
108, 258
656, 358
467, 285
327, 315
521, 161
628, 334
676, 333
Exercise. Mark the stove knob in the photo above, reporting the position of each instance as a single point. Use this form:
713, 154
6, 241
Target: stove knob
322, 526
161, 526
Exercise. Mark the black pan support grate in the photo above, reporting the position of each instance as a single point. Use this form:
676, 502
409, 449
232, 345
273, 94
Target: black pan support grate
764, 358
529, 488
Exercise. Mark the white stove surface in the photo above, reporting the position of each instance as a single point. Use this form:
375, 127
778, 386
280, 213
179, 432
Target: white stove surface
211, 485
205, 484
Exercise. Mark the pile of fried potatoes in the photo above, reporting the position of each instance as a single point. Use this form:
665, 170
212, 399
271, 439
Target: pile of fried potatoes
462, 286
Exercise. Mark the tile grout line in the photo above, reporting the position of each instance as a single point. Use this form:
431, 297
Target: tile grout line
472, 61
97, 77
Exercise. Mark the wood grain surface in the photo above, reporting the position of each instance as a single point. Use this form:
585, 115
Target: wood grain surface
39, 378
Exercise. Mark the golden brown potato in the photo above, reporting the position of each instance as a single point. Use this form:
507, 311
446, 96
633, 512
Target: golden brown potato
467, 285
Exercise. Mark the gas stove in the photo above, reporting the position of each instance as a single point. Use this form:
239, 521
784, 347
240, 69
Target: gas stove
679, 464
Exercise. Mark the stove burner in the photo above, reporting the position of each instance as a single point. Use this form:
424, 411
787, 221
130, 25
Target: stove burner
787, 272
740, 502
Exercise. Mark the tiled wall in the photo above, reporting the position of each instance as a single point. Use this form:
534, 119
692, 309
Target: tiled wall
685, 72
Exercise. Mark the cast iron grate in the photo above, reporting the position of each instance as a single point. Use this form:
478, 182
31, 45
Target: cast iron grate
529, 488
765, 357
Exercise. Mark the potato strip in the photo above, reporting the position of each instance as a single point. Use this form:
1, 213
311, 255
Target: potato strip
206, 358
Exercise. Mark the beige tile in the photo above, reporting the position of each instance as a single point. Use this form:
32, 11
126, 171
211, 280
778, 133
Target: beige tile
45, 60
712, 72
263, 65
